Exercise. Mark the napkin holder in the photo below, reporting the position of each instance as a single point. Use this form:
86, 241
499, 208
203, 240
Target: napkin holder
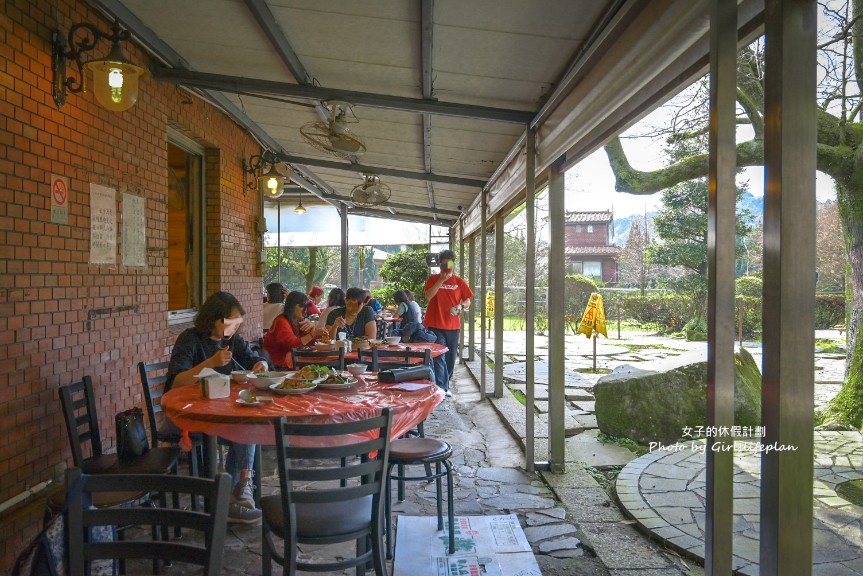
216, 386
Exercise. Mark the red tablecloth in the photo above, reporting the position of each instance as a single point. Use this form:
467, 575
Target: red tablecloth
436, 350
224, 417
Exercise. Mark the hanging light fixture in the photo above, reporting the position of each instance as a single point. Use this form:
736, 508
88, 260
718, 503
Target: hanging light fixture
300, 209
262, 170
115, 78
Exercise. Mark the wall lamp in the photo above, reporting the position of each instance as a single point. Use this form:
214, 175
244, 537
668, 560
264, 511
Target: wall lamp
115, 78
263, 168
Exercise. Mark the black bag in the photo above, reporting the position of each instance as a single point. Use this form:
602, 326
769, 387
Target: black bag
423, 334
131, 434
405, 374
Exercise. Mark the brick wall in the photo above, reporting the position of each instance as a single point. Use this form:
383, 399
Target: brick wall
49, 335
599, 236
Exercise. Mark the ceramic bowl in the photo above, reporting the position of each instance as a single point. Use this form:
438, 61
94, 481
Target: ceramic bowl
391, 340
325, 347
356, 369
263, 380
240, 375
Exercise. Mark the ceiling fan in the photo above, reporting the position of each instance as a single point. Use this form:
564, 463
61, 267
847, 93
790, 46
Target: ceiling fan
334, 136
372, 192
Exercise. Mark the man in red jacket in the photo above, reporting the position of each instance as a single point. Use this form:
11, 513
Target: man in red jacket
448, 296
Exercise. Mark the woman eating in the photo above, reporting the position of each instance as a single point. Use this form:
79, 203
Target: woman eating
290, 331
215, 343
355, 319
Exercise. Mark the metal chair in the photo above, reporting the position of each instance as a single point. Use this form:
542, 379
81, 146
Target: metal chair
389, 359
212, 523
332, 358
425, 451
82, 425
312, 508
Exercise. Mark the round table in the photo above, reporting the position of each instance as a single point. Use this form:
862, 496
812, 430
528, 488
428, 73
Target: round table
435, 348
224, 417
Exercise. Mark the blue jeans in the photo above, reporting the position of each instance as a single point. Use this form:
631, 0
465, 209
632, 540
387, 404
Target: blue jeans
240, 457
445, 365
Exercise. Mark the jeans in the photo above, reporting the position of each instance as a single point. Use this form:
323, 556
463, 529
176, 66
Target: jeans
240, 457
445, 365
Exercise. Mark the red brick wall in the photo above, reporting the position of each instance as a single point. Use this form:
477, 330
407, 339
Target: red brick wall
47, 286
599, 236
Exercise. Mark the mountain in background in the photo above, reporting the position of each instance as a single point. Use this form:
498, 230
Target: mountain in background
622, 224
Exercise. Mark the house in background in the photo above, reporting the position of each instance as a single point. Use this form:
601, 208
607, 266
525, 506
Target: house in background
589, 247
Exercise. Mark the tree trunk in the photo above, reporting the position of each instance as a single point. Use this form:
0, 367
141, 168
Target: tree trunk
847, 407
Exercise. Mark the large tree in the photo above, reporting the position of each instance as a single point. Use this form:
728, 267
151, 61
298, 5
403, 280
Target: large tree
840, 155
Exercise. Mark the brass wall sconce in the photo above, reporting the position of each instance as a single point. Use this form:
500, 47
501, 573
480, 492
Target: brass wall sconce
115, 78
263, 168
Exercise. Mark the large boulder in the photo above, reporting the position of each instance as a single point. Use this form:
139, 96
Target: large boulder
655, 406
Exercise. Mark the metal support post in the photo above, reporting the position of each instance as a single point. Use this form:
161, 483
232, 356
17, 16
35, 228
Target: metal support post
498, 306
483, 272
556, 325
530, 301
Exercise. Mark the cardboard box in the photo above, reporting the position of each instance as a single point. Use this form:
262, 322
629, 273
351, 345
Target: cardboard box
218, 386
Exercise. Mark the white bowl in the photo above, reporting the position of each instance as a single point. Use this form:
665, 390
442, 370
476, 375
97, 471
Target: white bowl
393, 340
263, 380
356, 369
240, 375
325, 347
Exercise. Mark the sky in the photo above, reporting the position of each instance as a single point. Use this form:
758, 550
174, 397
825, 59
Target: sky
590, 184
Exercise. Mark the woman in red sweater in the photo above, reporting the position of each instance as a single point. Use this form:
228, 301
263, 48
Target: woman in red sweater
290, 331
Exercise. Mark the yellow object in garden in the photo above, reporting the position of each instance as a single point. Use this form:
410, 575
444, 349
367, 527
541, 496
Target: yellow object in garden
489, 303
594, 317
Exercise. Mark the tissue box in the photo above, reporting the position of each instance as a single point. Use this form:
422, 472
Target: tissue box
216, 386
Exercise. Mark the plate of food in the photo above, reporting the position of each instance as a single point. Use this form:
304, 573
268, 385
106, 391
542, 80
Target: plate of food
335, 381
308, 373
294, 387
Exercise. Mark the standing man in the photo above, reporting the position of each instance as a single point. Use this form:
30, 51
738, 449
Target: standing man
447, 296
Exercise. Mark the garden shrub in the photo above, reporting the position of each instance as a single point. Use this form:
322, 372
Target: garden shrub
751, 316
666, 312
829, 310
750, 286
696, 330
578, 289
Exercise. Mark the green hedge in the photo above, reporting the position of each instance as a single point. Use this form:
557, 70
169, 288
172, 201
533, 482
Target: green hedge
665, 312
829, 310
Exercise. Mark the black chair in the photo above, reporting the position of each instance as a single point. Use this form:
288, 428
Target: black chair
82, 425
389, 359
332, 358
425, 451
212, 523
313, 508
153, 377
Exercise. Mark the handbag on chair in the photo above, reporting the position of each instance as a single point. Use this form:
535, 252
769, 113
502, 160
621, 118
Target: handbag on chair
131, 435
405, 374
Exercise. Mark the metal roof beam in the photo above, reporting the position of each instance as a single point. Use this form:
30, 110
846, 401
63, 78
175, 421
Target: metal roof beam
403, 217
382, 171
427, 33
267, 22
252, 86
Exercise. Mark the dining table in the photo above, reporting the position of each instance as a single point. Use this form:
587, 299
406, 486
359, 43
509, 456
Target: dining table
233, 419
435, 349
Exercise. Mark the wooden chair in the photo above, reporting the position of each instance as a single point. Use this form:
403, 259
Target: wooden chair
212, 523
312, 508
389, 359
332, 358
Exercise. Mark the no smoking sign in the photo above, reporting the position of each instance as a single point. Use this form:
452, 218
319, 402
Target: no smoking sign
59, 199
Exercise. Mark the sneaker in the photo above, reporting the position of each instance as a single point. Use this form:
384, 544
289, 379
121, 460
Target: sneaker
239, 514
448, 394
244, 493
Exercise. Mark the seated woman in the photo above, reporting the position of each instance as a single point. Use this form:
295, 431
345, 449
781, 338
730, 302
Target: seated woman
290, 331
355, 319
315, 295
410, 328
336, 299
215, 343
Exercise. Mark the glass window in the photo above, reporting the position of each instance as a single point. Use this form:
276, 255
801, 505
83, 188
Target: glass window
593, 269
575, 267
185, 231
590, 228
578, 227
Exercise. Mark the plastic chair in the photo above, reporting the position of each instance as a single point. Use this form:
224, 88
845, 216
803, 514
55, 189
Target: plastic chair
212, 524
425, 451
312, 508
332, 358
389, 359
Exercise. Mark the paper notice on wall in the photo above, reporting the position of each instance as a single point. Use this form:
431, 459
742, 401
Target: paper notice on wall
103, 224
485, 545
134, 231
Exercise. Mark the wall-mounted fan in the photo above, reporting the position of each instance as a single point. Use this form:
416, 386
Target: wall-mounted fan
334, 136
372, 192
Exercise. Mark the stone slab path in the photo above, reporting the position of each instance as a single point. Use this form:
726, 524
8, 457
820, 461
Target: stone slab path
664, 491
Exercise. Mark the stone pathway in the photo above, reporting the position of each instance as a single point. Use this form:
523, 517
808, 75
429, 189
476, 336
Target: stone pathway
664, 491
